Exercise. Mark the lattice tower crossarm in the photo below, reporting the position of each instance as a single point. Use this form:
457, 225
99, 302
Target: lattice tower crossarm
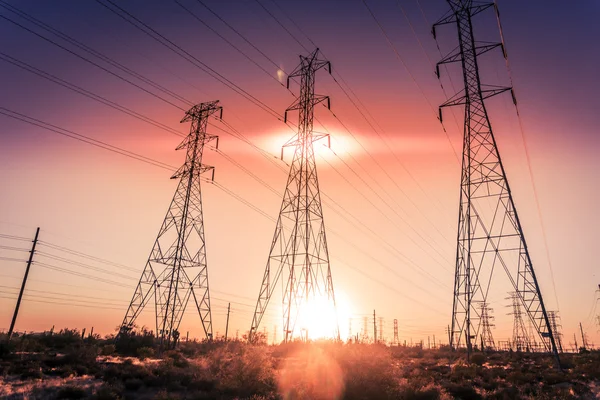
299, 247
485, 240
176, 268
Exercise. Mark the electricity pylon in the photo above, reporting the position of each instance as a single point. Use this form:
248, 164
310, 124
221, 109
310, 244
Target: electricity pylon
553, 316
396, 340
299, 246
487, 339
176, 268
520, 337
485, 239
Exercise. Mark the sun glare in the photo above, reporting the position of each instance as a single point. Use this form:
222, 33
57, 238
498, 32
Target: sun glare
319, 319
340, 145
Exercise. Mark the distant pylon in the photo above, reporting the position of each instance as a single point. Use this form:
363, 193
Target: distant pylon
176, 268
299, 246
555, 325
396, 340
520, 337
365, 331
487, 339
381, 329
494, 239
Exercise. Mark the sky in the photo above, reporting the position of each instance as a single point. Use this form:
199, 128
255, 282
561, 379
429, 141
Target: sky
391, 169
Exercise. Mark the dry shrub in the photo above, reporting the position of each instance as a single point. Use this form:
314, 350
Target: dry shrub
247, 371
478, 358
368, 372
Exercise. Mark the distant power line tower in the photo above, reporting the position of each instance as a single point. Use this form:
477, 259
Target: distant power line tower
381, 329
299, 248
553, 316
487, 339
396, 340
489, 230
365, 332
520, 337
176, 268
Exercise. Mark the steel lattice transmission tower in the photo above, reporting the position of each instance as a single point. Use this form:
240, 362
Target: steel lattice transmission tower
299, 248
487, 339
520, 337
396, 340
555, 325
176, 268
486, 240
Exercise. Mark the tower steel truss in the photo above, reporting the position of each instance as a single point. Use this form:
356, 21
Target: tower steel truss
487, 339
176, 268
490, 234
299, 246
520, 338
556, 328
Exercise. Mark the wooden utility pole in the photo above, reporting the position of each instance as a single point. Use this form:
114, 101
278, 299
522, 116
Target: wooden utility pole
227, 324
14, 318
374, 328
584, 342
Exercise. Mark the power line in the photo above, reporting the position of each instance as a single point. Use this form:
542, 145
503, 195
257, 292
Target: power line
78, 264
90, 50
238, 33
360, 144
195, 16
83, 255
528, 158
91, 62
149, 31
399, 57
27, 67
281, 25
83, 138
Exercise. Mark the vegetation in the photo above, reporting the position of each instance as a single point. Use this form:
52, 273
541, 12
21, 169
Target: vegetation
65, 366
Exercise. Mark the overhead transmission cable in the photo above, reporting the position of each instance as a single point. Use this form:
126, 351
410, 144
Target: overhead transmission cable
334, 73
360, 144
92, 62
82, 138
200, 20
158, 37
399, 57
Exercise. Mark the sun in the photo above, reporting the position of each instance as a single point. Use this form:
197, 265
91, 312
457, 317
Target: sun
320, 319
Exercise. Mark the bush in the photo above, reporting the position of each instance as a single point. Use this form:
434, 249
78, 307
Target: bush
478, 358
108, 350
145, 352
463, 392
249, 372
71, 392
109, 391
129, 342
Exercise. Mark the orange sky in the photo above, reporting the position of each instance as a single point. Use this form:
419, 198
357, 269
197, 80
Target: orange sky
111, 207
